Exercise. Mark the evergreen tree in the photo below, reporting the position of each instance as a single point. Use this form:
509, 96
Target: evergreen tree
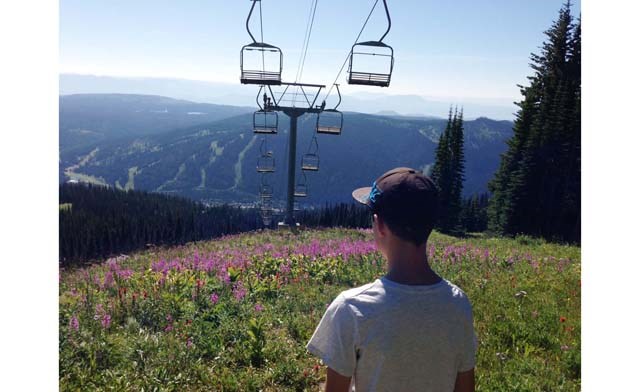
536, 188
448, 173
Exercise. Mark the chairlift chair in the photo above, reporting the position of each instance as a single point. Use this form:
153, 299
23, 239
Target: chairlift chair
329, 121
265, 122
301, 187
251, 64
371, 62
267, 215
260, 63
310, 162
266, 164
266, 192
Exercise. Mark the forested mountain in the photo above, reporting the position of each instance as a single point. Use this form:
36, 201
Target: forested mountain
216, 161
86, 119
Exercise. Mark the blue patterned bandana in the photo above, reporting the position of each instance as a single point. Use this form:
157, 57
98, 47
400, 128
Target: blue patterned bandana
374, 194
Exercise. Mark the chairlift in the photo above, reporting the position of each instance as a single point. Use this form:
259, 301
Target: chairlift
260, 63
266, 192
266, 164
329, 121
264, 151
267, 215
371, 62
311, 160
296, 206
265, 122
301, 187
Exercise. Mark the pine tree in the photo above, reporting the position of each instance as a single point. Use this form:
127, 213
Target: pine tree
448, 173
536, 188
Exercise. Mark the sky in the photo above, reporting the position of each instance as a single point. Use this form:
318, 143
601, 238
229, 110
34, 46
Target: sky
465, 50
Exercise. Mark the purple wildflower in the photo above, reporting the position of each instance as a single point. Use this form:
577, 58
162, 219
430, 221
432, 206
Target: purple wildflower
258, 308
108, 279
73, 323
106, 321
239, 291
214, 298
125, 274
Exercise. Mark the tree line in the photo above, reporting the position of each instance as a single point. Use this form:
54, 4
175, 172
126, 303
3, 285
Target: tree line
98, 221
536, 189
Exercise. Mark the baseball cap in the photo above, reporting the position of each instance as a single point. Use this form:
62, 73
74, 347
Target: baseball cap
403, 195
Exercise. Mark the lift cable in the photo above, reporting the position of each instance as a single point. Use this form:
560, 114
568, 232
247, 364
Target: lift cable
349, 54
261, 35
305, 44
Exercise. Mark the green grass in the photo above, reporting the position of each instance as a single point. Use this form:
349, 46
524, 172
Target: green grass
165, 333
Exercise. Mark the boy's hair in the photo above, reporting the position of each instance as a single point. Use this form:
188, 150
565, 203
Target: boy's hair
418, 234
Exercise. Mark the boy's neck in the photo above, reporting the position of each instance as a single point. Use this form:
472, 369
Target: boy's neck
411, 267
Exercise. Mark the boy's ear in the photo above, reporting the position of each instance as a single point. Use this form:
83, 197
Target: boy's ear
379, 222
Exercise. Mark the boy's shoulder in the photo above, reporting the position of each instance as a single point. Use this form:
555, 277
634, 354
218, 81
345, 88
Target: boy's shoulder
383, 292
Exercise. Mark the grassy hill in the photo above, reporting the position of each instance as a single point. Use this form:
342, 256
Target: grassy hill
216, 160
234, 314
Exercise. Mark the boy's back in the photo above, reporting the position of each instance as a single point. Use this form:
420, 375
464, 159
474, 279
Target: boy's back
397, 337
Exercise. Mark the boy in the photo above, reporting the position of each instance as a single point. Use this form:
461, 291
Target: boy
410, 330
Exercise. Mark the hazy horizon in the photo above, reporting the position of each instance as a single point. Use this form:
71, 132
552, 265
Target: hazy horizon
222, 93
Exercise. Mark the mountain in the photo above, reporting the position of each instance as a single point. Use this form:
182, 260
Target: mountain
240, 95
216, 161
86, 119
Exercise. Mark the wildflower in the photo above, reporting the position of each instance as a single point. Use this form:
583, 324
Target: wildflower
108, 279
564, 347
239, 291
563, 319
73, 323
106, 321
99, 312
189, 343
125, 274
214, 298
259, 308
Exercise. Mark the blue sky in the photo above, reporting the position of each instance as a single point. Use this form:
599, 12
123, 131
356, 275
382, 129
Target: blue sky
452, 50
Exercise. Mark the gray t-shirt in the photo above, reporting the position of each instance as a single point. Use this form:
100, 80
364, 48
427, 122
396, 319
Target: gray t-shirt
394, 337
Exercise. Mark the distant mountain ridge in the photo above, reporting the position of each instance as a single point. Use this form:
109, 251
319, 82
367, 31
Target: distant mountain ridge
240, 95
216, 160
86, 119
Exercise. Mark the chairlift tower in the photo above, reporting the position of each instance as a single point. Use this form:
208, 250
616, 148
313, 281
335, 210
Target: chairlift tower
293, 111
261, 64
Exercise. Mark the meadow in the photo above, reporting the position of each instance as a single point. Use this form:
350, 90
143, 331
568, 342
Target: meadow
235, 313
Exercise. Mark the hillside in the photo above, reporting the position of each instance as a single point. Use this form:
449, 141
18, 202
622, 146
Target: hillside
234, 314
216, 160
87, 119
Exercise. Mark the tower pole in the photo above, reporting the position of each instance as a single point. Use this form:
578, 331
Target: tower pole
293, 133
